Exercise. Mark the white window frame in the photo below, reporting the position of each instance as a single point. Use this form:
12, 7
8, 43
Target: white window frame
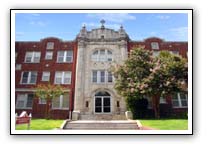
49, 55
98, 77
44, 75
61, 100
180, 101
25, 101
63, 73
155, 45
64, 58
33, 54
29, 77
50, 45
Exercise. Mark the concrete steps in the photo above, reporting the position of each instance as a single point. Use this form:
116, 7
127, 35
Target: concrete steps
102, 125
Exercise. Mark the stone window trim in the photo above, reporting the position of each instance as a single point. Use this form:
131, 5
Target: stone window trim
49, 55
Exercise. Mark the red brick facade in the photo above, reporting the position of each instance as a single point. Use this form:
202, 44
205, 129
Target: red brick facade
52, 66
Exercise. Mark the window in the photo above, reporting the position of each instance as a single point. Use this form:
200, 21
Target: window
42, 101
32, 57
65, 56
174, 52
179, 100
50, 45
49, 55
18, 67
102, 55
29, 77
155, 45
110, 77
24, 101
63, 77
45, 76
16, 54
156, 53
61, 102
101, 76
102, 102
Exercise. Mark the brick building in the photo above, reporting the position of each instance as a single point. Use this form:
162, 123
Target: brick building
81, 66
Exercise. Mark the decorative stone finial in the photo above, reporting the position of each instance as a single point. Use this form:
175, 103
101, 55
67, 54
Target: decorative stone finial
102, 23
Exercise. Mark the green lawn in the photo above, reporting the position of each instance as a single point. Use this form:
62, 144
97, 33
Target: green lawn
166, 124
41, 124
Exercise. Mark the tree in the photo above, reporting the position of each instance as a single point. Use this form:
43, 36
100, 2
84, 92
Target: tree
145, 75
48, 92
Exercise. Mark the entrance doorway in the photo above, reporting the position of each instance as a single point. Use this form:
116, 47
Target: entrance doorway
102, 102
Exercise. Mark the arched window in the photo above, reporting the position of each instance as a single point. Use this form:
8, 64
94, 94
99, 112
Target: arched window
102, 55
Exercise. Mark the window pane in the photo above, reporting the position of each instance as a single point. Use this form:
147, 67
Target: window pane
25, 77
67, 78
98, 102
56, 102
175, 103
106, 102
33, 77
30, 100
98, 109
65, 101
20, 101
50, 45
58, 77
109, 77
46, 76
107, 109
60, 57
184, 103
69, 56
102, 76
155, 45
94, 77
28, 56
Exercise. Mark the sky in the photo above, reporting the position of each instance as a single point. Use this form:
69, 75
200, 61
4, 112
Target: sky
65, 26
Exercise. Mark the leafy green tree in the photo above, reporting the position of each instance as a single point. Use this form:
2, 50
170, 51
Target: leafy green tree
48, 92
145, 75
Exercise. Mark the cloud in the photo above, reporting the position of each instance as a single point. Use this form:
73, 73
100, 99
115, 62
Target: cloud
38, 23
19, 33
180, 32
113, 17
98, 25
163, 17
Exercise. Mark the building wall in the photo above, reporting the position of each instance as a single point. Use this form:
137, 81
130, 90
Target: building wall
45, 65
81, 67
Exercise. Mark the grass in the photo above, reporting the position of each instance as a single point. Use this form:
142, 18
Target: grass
166, 124
41, 124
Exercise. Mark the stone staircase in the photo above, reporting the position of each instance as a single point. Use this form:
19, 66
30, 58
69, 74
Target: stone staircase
101, 125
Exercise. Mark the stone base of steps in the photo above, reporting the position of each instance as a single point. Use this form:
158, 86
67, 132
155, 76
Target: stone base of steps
102, 125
